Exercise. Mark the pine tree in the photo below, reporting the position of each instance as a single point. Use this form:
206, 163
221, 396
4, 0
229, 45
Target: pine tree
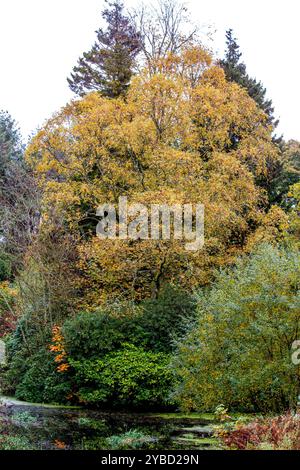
109, 65
10, 142
236, 71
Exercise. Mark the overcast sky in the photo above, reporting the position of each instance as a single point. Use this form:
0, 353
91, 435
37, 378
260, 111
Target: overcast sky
41, 40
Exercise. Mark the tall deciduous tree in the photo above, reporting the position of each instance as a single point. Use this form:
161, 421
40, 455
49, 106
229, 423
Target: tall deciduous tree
109, 65
236, 71
168, 143
19, 196
165, 28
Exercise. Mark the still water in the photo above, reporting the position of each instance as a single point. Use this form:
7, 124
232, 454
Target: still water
39, 427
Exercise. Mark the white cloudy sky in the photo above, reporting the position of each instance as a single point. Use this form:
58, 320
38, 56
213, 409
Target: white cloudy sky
40, 41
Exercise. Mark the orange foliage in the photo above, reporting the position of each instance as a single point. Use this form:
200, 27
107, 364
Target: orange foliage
58, 348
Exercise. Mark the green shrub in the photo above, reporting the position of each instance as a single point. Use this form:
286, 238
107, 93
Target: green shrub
41, 383
154, 325
32, 374
94, 334
239, 353
166, 318
129, 377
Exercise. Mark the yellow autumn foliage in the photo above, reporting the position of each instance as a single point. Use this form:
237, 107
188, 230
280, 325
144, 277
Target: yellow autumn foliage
181, 135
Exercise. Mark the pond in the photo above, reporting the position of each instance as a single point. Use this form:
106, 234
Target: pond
29, 426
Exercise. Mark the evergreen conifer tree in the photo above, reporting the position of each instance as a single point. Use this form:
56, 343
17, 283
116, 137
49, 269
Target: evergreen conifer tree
109, 65
236, 71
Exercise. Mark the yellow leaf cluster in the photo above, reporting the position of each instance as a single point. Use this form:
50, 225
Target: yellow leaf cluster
182, 135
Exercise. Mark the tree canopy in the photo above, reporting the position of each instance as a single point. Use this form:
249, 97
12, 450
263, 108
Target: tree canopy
184, 134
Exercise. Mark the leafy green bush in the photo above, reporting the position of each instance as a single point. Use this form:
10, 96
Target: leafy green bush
41, 383
128, 377
32, 374
94, 334
98, 338
166, 318
154, 324
239, 353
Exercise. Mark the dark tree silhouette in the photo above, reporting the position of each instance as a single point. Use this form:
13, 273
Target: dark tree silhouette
109, 65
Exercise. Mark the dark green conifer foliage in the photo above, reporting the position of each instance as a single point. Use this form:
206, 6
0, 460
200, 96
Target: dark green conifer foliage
109, 65
236, 71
